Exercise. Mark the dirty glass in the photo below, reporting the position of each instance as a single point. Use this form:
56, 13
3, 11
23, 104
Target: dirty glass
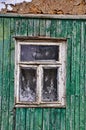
39, 52
50, 85
28, 84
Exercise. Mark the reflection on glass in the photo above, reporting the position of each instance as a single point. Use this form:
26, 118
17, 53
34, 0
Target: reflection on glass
28, 85
39, 52
49, 92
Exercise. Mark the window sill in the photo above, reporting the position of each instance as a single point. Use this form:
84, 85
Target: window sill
44, 105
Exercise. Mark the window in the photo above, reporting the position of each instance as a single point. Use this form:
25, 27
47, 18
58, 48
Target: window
40, 72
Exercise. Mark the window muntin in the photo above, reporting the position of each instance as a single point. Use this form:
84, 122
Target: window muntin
41, 69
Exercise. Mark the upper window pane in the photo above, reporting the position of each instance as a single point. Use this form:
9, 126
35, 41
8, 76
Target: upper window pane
39, 52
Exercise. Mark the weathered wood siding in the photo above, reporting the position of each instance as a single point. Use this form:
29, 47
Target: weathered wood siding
71, 118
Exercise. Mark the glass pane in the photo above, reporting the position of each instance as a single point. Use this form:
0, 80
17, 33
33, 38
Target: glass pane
41, 52
28, 84
49, 92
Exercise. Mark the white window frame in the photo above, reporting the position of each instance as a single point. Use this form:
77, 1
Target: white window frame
40, 65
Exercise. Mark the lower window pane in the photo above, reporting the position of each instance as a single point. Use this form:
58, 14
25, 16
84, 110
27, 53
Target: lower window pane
50, 85
28, 84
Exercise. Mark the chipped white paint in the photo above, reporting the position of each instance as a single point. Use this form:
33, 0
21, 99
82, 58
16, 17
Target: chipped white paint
40, 66
40, 83
62, 74
37, 42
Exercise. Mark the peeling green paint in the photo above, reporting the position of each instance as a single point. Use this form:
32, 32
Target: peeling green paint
71, 118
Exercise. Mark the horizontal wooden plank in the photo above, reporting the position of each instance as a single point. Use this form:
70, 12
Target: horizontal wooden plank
45, 16
40, 106
51, 39
43, 62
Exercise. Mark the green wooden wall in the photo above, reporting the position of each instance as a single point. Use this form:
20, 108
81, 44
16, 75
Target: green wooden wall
73, 117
